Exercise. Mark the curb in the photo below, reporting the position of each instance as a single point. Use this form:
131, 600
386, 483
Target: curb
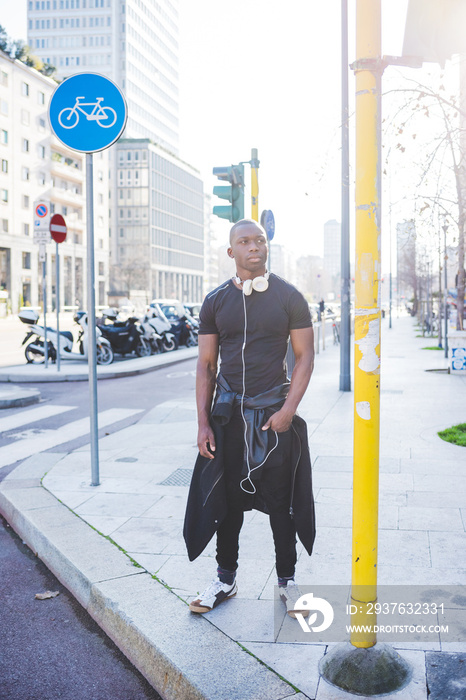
17, 397
149, 623
141, 365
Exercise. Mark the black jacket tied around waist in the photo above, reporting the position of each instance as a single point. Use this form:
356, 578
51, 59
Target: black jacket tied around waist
207, 506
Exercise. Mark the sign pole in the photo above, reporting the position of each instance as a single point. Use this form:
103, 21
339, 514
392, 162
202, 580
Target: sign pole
44, 295
91, 335
57, 282
88, 113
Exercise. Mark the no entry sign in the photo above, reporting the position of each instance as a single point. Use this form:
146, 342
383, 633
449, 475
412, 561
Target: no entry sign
58, 228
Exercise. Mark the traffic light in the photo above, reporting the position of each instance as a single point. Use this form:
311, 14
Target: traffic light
234, 192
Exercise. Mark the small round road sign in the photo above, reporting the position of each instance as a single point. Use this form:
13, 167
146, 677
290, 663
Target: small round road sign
42, 210
58, 228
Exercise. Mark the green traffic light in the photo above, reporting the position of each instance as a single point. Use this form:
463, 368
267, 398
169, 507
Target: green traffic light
234, 193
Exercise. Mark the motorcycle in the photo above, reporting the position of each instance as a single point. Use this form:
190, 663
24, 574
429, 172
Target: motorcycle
125, 337
157, 330
35, 350
186, 330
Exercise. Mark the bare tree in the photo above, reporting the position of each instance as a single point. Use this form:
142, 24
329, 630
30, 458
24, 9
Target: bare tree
440, 189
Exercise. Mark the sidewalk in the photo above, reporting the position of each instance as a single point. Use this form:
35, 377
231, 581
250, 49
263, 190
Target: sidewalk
134, 576
79, 371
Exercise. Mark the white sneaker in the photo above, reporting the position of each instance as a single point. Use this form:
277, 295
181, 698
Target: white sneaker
289, 594
215, 593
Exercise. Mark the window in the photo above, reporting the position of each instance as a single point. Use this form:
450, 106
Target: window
41, 178
41, 124
4, 166
25, 145
41, 98
25, 117
26, 261
4, 107
25, 229
25, 201
101, 198
3, 78
25, 173
25, 89
4, 136
64, 211
41, 151
4, 195
101, 269
5, 225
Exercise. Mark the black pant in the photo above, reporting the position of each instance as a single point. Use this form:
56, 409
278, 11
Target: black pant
273, 484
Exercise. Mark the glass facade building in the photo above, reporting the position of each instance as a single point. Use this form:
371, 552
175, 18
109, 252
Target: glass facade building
159, 217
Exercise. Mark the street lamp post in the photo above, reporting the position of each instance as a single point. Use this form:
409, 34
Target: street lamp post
439, 292
445, 291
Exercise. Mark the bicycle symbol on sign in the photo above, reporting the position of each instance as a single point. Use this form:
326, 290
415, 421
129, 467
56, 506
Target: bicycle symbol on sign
68, 118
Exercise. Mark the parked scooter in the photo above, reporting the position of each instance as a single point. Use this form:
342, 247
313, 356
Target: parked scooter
35, 350
125, 337
158, 330
186, 330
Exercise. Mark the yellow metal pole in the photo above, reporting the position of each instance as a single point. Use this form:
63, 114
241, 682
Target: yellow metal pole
254, 185
367, 318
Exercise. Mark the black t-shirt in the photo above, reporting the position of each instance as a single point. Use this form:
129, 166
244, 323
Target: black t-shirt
270, 317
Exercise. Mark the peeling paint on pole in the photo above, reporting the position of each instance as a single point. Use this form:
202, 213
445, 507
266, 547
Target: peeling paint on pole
370, 361
363, 409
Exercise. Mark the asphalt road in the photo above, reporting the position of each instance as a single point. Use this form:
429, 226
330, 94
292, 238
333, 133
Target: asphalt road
52, 649
140, 392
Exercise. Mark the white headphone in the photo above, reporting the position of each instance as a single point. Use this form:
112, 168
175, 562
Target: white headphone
259, 284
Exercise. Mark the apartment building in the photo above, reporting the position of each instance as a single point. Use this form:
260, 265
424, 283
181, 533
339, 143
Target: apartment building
35, 165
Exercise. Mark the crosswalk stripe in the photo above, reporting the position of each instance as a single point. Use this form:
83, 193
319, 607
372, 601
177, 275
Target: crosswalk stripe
51, 438
32, 415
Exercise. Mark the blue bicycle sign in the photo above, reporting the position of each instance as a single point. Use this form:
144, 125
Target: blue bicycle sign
104, 116
87, 112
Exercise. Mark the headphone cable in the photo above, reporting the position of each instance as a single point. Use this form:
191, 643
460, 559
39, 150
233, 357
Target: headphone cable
248, 477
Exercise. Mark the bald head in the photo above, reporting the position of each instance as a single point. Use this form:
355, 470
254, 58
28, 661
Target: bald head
245, 222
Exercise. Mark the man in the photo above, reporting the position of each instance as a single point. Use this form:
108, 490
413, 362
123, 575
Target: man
253, 448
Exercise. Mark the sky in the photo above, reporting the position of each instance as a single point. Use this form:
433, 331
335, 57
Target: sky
265, 74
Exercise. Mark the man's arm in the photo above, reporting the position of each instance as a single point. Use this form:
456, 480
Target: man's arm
206, 375
302, 342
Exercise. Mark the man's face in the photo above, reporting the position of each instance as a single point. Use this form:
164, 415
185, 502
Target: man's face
249, 248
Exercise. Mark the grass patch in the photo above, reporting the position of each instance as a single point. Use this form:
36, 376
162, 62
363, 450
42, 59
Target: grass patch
456, 434
432, 347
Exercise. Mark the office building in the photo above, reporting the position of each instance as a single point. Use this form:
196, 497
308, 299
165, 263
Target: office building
35, 165
159, 223
135, 44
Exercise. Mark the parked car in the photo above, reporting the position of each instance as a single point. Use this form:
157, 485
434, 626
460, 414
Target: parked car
172, 308
193, 309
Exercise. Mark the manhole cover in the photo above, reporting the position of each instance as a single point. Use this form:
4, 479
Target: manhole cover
180, 477
127, 459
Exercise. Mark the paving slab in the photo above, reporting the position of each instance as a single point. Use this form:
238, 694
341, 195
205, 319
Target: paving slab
446, 676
